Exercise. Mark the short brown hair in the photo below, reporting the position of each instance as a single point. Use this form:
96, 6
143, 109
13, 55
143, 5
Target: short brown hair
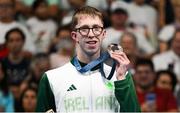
86, 10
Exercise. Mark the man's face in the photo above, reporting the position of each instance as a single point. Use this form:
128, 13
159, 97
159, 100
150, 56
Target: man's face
128, 44
88, 42
29, 101
15, 42
164, 81
144, 76
6, 9
176, 44
177, 12
42, 11
119, 19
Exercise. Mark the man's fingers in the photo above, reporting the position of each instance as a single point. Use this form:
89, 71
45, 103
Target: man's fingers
121, 58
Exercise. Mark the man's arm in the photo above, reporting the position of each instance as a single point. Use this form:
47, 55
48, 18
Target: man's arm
45, 101
126, 95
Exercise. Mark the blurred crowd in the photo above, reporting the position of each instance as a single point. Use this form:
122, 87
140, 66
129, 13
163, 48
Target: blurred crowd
35, 36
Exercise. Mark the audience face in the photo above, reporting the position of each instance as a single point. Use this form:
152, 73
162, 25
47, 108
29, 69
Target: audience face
64, 34
6, 10
176, 43
29, 100
144, 77
177, 12
15, 42
40, 66
118, 19
42, 11
164, 81
128, 44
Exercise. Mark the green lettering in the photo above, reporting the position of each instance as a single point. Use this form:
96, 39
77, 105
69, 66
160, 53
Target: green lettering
69, 105
84, 103
108, 102
99, 102
78, 103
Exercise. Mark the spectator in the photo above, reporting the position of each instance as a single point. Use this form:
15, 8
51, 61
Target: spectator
119, 17
29, 99
144, 16
151, 98
40, 63
7, 22
166, 33
6, 97
61, 33
23, 11
63, 47
129, 44
15, 88
42, 27
16, 64
166, 79
171, 58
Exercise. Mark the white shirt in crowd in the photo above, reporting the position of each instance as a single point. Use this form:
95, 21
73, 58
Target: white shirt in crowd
143, 15
43, 32
162, 61
166, 32
5, 27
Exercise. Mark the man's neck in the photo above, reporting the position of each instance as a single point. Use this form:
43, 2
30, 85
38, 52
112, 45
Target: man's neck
85, 58
15, 58
141, 90
120, 28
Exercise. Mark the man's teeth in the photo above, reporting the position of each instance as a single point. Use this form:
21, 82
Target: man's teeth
91, 42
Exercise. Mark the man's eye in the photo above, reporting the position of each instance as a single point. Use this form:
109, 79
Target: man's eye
84, 29
97, 28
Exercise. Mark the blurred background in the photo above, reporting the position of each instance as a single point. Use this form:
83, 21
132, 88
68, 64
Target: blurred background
35, 37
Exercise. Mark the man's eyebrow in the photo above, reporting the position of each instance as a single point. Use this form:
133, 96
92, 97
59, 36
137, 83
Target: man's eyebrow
86, 26
96, 25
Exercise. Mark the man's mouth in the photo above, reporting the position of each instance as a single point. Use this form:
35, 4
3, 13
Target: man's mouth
91, 42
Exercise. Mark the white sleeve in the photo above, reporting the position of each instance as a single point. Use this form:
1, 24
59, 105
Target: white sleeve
166, 33
144, 44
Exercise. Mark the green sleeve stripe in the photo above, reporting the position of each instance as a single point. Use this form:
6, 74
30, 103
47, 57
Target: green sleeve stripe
45, 99
126, 95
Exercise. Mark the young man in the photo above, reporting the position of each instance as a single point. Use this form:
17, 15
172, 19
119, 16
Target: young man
66, 89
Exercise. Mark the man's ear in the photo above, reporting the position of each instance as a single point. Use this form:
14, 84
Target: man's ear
74, 36
104, 34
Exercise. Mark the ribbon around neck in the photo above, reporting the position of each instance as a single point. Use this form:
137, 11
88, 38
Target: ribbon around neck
104, 56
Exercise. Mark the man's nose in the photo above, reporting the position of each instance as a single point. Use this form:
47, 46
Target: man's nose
91, 34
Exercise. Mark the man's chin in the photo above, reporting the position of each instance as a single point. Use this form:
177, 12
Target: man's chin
145, 86
92, 52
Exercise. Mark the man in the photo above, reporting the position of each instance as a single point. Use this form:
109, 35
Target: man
151, 98
129, 44
67, 89
119, 20
16, 64
8, 22
171, 58
167, 32
42, 35
147, 18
